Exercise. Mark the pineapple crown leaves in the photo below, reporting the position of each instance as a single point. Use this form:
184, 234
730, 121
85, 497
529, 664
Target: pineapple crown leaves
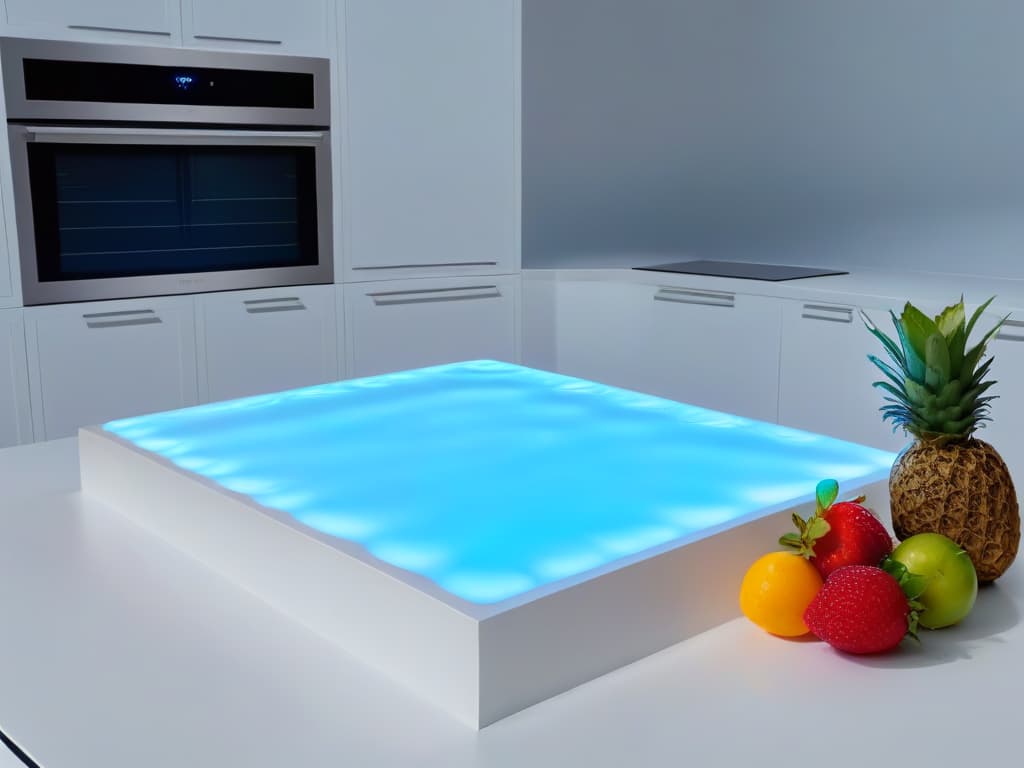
936, 387
816, 526
913, 586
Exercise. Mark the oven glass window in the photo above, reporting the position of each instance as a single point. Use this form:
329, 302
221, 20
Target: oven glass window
118, 211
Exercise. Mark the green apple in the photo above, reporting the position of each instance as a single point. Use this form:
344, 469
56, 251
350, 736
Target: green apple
952, 583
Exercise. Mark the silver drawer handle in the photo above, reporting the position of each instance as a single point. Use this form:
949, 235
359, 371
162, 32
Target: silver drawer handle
238, 39
118, 319
422, 296
825, 312
91, 28
687, 296
286, 304
1004, 336
438, 264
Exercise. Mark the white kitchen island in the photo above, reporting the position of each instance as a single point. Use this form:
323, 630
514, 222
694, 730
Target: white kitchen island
118, 651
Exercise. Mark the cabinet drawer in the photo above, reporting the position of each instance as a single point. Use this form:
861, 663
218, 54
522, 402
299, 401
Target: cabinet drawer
825, 376
715, 349
156, 22
394, 325
90, 363
298, 26
251, 342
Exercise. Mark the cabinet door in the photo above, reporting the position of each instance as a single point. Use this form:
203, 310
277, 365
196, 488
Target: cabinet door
396, 325
251, 342
717, 350
298, 26
825, 376
90, 363
1006, 429
603, 333
135, 21
430, 185
15, 426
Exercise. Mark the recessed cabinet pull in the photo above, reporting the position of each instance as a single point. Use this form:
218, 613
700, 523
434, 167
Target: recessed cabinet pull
438, 264
1004, 336
284, 304
826, 312
92, 28
689, 296
425, 295
118, 319
238, 39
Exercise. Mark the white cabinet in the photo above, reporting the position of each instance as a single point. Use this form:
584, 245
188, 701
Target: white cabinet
300, 27
90, 363
430, 182
251, 342
825, 376
715, 349
133, 21
394, 325
1006, 429
15, 414
7, 266
603, 332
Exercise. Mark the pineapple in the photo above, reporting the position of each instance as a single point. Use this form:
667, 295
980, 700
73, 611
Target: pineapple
946, 480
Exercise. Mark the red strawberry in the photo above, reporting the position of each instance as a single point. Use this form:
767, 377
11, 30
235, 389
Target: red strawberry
839, 534
861, 609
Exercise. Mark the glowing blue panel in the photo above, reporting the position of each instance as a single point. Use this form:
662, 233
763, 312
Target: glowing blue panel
491, 479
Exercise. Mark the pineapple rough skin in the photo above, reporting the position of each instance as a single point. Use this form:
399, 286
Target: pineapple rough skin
963, 490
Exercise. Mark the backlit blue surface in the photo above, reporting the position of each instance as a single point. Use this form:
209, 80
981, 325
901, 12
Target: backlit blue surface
491, 479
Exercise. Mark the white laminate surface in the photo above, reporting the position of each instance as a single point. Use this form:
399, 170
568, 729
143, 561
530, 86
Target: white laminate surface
118, 651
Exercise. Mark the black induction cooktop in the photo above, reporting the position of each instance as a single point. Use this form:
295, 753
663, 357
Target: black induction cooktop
743, 270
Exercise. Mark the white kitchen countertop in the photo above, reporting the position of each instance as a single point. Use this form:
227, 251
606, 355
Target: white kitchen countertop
117, 651
869, 288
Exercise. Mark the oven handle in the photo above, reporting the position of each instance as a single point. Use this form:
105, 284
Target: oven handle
63, 135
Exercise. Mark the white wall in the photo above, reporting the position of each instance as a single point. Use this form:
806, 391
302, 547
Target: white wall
874, 133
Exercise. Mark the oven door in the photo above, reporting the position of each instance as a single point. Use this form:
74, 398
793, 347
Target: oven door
107, 213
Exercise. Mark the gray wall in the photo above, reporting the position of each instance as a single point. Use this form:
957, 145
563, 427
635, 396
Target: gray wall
871, 133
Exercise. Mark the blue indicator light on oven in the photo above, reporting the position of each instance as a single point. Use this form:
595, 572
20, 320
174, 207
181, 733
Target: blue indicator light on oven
184, 82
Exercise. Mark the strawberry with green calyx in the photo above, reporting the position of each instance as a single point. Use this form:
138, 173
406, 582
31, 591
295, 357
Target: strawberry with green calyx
863, 609
838, 533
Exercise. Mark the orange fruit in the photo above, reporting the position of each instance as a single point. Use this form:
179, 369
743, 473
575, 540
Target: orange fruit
776, 591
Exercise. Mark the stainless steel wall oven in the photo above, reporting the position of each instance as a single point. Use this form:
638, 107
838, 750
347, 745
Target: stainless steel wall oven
145, 171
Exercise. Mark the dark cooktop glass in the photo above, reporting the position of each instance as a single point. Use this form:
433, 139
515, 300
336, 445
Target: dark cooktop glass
743, 270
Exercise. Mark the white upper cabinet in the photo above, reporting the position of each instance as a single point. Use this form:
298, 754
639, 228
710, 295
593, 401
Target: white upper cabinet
399, 324
90, 363
300, 27
156, 22
252, 342
825, 378
15, 414
430, 166
715, 349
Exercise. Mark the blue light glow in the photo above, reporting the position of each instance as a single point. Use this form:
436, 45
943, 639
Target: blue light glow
491, 479
184, 82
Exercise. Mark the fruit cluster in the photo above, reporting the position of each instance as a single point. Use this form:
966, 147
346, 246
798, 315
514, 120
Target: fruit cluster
846, 584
